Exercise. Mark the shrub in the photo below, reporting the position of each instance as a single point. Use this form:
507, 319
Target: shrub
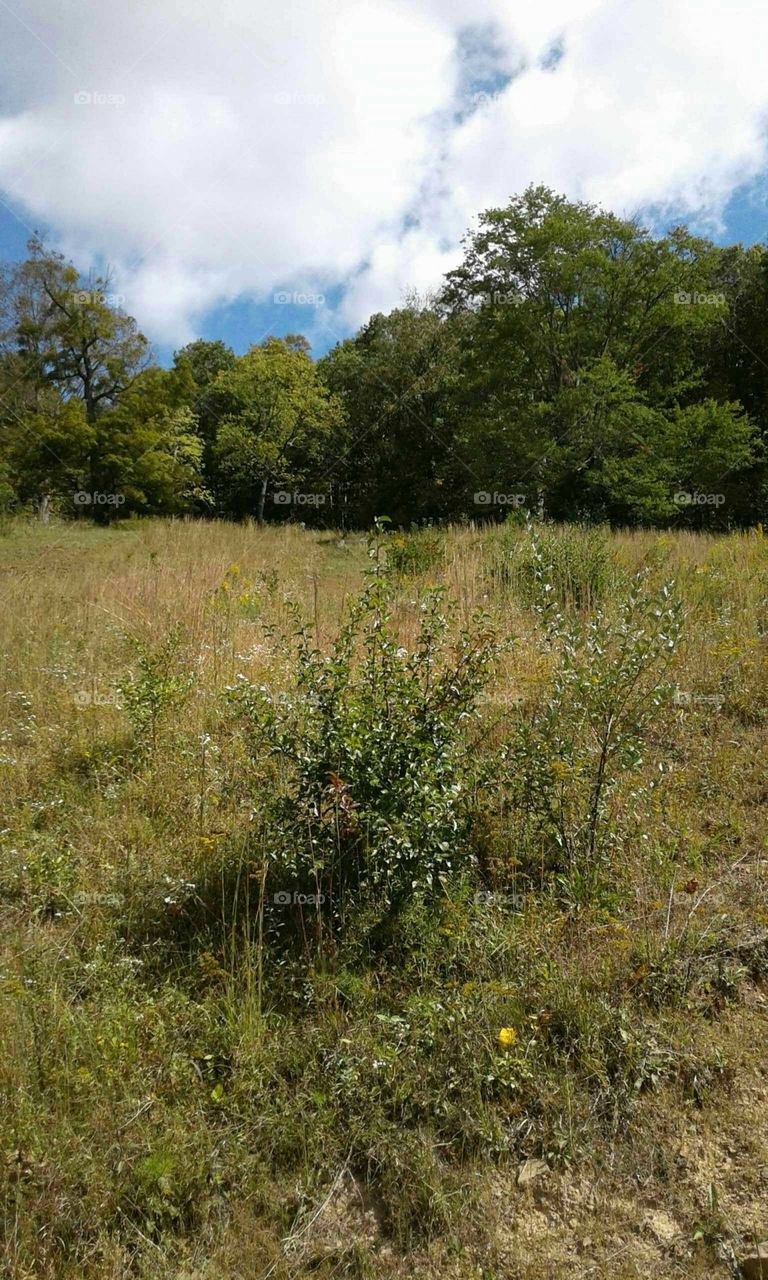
566, 760
374, 793
154, 687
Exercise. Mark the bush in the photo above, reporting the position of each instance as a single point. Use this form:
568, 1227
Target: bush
566, 760
154, 687
374, 790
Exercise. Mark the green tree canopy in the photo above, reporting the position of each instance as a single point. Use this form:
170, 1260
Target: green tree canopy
275, 422
69, 332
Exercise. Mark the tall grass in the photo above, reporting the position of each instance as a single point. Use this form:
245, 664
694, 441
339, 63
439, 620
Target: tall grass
185, 1093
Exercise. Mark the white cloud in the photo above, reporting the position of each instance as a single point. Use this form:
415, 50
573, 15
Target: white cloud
247, 150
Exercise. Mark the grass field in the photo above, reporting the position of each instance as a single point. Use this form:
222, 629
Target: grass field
523, 1034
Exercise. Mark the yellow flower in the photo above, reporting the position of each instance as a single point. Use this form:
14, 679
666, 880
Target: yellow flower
507, 1037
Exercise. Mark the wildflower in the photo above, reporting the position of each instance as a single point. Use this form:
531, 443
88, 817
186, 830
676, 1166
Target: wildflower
507, 1037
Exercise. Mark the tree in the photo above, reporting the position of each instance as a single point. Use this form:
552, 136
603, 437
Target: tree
736, 364
205, 360
148, 449
395, 378
574, 359
715, 453
580, 326
47, 454
69, 332
274, 420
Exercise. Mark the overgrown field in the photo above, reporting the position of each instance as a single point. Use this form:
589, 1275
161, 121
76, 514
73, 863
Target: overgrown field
382, 907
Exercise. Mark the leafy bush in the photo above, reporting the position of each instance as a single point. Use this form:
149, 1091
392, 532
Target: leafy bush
374, 794
155, 686
567, 759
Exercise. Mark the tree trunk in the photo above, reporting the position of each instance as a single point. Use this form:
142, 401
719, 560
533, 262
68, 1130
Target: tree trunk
44, 508
262, 500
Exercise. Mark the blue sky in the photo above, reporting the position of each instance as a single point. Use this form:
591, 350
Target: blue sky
335, 155
240, 323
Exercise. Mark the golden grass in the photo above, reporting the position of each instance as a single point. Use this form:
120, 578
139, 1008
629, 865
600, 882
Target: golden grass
80, 826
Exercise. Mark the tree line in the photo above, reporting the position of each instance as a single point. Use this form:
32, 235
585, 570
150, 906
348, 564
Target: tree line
572, 364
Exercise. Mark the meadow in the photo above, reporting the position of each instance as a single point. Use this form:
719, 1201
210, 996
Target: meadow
382, 906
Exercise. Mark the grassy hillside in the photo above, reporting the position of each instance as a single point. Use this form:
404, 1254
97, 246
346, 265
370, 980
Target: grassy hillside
382, 908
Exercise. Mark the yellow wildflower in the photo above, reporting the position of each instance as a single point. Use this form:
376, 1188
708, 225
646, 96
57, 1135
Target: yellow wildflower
507, 1037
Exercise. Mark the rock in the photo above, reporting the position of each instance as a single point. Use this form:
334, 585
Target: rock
755, 1265
530, 1171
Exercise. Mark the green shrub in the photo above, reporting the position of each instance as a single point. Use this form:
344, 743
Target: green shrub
568, 757
154, 687
374, 790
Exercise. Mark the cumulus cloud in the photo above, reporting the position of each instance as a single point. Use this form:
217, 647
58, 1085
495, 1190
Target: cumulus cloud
213, 152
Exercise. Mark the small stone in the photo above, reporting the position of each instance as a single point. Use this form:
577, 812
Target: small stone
755, 1265
531, 1171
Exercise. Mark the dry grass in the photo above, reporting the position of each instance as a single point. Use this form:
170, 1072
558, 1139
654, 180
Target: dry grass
150, 1105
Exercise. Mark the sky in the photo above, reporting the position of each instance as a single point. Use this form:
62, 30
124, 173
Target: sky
245, 169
